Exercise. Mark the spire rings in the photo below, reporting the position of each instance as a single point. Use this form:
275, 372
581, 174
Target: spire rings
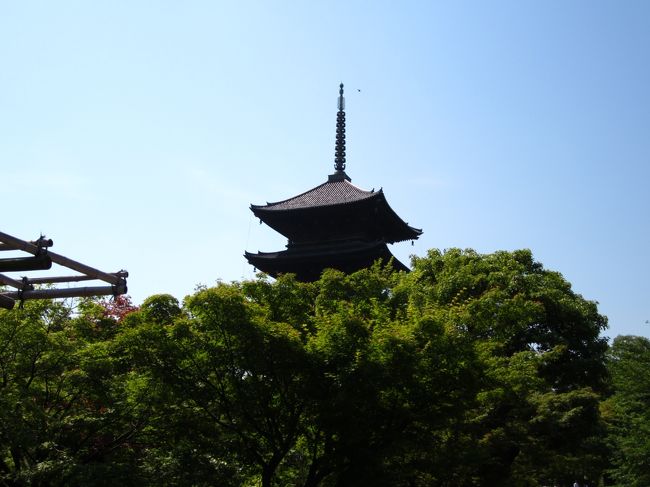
339, 153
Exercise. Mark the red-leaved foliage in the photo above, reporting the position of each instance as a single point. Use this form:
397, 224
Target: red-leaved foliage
118, 307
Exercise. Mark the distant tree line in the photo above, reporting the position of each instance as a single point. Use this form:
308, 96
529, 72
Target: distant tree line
472, 370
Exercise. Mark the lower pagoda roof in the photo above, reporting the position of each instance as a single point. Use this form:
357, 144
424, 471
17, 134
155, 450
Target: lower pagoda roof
307, 262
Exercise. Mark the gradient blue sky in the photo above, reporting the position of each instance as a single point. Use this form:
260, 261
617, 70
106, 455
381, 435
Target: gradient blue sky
136, 134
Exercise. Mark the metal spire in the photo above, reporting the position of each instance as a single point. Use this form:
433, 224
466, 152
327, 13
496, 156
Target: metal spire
339, 161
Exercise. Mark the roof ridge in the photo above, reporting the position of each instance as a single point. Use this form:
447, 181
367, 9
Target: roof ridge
291, 198
325, 194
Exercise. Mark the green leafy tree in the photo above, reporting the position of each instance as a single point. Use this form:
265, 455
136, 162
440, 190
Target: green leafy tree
386, 378
534, 419
228, 380
67, 415
293, 383
628, 410
472, 370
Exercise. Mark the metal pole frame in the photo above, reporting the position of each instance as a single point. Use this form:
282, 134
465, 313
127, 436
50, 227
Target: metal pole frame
26, 286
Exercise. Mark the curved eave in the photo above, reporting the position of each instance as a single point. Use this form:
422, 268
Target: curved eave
410, 233
308, 263
397, 230
262, 260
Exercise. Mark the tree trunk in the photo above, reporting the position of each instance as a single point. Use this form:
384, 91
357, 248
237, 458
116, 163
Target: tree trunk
268, 469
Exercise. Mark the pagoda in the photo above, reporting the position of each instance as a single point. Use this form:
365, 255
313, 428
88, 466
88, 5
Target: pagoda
334, 225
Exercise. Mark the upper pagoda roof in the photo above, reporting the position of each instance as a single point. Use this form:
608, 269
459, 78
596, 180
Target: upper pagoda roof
335, 191
363, 210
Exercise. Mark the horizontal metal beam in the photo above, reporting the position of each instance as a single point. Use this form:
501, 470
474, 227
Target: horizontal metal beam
59, 279
53, 280
18, 264
78, 292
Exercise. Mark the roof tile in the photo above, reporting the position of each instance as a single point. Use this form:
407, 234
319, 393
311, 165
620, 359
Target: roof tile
328, 193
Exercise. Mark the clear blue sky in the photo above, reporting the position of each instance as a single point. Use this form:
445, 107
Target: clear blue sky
137, 133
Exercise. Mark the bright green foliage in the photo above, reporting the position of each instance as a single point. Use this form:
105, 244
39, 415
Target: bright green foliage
66, 415
535, 415
472, 370
384, 376
628, 410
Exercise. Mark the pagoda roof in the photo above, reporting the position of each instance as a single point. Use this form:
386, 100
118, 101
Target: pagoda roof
335, 191
333, 225
335, 196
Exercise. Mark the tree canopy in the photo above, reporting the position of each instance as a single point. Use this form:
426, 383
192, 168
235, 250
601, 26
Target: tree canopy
628, 410
471, 370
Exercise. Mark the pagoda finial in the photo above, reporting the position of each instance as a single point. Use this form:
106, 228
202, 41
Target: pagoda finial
339, 161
